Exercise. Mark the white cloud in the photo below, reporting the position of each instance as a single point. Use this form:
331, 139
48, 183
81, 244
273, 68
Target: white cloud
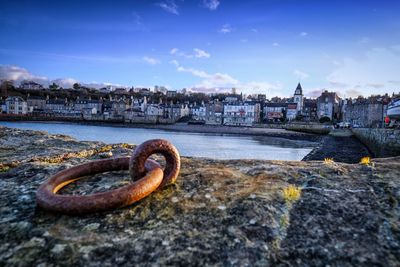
300, 75
174, 62
303, 34
211, 4
169, 6
244, 40
151, 61
275, 44
18, 74
219, 82
226, 28
373, 73
174, 51
194, 72
200, 53
254, 30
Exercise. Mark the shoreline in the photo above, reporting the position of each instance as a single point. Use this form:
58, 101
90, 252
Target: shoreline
190, 128
342, 149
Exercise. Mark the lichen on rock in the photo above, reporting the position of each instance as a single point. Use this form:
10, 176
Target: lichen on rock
229, 212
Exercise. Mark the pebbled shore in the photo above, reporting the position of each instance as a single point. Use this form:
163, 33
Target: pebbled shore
224, 213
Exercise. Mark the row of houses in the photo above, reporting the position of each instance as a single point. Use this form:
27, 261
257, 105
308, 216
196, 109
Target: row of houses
233, 110
129, 110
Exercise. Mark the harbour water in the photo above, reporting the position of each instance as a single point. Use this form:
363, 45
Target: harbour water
216, 146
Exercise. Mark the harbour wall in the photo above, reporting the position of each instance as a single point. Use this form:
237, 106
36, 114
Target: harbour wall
382, 142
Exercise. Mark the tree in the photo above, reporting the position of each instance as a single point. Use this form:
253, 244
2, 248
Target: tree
53, 86
76, 86
5, 86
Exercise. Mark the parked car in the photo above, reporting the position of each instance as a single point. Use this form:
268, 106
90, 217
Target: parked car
344, 125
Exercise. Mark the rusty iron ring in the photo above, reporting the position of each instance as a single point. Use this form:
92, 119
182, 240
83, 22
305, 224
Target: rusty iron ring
47, 198
141, 154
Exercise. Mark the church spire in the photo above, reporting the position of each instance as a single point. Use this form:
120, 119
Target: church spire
299, 90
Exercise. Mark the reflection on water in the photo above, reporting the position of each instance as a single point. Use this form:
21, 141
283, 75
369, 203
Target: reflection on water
217, 146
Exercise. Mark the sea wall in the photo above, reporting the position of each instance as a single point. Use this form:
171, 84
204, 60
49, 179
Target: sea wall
309, 128
382, 142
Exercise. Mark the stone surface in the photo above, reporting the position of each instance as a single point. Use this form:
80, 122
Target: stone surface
218, 213
382, 142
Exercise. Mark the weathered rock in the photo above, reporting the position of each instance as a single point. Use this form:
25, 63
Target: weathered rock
218, 213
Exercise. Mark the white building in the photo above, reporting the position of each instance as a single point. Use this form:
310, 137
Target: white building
198, 113
30, 85
154, 110
291, 111
16, 105
241, 114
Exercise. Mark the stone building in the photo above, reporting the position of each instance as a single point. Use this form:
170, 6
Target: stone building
275, 111
365, 112
328, 105
59, 106
214, 113
310, 110
36, 103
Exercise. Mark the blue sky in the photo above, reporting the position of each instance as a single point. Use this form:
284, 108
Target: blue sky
267, 46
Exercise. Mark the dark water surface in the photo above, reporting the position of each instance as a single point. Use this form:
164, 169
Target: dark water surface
216, 146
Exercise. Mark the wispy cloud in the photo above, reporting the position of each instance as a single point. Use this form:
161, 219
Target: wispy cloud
151, 61
173, 51
174, 62
275, 44
201, 53
137, 18
226, 28
300, 74
197, 53
303, 34
211, 4
169, 6
218, 82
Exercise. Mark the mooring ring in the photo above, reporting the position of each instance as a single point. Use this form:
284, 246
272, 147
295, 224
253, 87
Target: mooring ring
141, 154
47, 198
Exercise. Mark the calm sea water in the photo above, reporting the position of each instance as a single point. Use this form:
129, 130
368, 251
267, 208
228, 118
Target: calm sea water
216, 146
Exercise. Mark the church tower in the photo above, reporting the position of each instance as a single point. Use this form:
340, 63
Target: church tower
298, 98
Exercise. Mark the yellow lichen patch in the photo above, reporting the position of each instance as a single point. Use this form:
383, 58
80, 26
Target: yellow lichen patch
125, 145
291, 193
4, 168
329, 161
365, 161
